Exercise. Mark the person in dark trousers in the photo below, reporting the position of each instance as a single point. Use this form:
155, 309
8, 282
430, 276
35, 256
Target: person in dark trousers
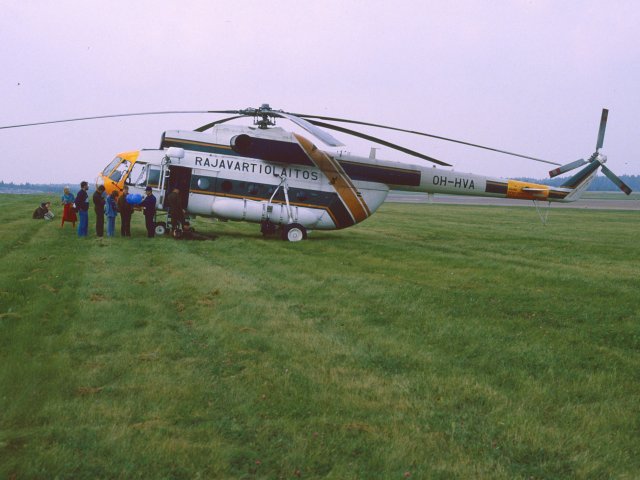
82, 204
174, 205
126, 210
99, 200
111, 211
149, 205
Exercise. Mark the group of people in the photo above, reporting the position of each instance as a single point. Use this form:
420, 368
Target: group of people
76, 208
109, 206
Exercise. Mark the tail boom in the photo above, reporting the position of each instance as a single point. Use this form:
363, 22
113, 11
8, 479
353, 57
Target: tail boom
434, 180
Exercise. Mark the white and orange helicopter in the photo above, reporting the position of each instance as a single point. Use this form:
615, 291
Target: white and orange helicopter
282, 181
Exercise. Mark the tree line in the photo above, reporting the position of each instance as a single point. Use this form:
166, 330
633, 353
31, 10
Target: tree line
11, 187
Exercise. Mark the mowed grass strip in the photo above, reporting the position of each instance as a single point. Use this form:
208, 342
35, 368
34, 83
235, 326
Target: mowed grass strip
431, 341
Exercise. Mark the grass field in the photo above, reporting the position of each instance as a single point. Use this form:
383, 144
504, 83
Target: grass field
611, 196
431, 341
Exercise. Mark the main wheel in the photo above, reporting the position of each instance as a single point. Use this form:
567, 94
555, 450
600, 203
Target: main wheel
294, 232
161, 228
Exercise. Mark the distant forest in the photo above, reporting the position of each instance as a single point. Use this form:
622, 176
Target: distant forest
599, 184
37, 187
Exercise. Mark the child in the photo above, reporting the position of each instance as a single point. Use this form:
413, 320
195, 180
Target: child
111, 211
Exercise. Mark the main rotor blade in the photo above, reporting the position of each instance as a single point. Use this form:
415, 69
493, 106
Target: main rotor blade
103, 116
614, 178
209, 125
603, 127
565, 168
427, 135
378, 140
325, 137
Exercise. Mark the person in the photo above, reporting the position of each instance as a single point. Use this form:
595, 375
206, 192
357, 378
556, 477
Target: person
125, 209
43, 211
82, 204
149, 205
111, 211
99, 200
68, 209
174, 206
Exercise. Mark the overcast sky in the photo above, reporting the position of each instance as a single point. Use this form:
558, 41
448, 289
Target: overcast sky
528, 76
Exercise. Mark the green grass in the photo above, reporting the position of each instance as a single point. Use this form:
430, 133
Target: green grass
433, 341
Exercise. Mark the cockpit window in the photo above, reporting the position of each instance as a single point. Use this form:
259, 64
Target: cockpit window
137, 175
120, 171
111, 166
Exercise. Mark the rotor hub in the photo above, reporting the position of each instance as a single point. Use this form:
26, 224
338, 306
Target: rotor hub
262, 117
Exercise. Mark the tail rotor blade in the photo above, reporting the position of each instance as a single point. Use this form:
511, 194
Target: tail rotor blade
565, 168
603, 127
614, 178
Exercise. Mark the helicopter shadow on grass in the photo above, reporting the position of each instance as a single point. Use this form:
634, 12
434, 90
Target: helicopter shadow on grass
313, 236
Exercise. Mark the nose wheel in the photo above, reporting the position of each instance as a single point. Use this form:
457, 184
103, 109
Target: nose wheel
161, 228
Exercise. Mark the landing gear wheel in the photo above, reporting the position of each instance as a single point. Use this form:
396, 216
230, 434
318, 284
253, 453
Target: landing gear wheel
294, 232
161, 228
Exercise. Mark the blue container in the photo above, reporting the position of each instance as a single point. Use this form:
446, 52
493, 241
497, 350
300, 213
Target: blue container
134, 199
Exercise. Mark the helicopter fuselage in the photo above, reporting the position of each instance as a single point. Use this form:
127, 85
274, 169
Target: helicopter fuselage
272, 175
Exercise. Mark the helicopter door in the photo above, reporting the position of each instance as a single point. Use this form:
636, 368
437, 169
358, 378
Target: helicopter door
179, 177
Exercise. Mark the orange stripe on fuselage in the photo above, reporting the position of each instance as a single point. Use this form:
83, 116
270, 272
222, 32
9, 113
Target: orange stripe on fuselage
338, 179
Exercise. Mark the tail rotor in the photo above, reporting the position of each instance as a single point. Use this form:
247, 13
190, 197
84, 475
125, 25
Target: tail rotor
596, 159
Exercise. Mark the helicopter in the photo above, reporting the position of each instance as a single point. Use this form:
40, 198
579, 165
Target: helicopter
282, 181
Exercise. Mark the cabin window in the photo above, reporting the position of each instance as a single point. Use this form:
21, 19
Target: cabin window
252, 189
153, 177
203, 183
301, 195
226, 185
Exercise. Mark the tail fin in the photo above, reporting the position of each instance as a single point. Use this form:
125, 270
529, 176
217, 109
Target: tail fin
581, 180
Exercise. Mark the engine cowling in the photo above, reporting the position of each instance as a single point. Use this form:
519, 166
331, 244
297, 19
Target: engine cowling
241, 144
